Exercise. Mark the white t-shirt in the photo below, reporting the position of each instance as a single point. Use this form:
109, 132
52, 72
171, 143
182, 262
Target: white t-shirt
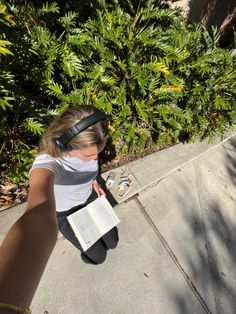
73, 179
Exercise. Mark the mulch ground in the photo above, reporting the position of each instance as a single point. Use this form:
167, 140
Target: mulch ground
12, 194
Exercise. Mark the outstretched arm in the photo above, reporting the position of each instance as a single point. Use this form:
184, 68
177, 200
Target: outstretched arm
27, 246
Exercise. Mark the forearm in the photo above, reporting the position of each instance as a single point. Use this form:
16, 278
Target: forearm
24, 254
98, 188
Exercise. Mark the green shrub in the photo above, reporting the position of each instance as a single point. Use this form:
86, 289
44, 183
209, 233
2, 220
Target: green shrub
160, 78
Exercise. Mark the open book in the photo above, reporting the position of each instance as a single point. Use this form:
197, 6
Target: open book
90, 223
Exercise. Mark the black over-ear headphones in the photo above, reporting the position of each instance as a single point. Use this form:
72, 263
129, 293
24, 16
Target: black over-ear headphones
62, 141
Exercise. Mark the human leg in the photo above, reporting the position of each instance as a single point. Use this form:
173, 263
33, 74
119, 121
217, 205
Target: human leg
96, 254
111, 238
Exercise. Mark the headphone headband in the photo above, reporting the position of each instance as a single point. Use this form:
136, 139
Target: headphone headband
79, 127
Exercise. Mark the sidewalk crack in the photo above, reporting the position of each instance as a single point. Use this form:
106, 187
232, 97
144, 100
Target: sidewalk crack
172, 256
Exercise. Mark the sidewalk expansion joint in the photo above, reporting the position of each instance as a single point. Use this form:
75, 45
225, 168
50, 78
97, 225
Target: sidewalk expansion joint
172, 255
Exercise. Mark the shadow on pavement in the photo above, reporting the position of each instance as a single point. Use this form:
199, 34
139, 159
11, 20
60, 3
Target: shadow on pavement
212, 266
230, 147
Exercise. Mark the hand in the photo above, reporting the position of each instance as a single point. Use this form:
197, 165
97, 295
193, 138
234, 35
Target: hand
98, 189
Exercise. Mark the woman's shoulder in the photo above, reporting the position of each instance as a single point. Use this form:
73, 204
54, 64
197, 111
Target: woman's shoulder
46, 158
47, 162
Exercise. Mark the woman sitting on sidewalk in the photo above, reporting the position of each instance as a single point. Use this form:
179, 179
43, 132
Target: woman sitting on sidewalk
62, 180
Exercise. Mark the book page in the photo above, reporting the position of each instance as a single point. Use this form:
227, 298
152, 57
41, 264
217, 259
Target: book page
93, 221
84, 228
102, 212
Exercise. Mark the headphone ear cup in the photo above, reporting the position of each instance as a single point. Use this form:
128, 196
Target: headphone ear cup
62, 147
68, 147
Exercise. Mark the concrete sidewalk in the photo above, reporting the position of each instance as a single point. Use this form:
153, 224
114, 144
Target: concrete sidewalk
177, 248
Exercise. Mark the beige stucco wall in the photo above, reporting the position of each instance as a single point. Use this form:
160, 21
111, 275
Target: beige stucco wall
221, 13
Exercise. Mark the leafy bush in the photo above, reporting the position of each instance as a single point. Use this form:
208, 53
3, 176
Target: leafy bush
160, 78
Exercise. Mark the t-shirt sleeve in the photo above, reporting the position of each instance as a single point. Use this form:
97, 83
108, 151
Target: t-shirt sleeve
47, 162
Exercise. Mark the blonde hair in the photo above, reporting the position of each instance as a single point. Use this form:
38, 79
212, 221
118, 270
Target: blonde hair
94, 135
